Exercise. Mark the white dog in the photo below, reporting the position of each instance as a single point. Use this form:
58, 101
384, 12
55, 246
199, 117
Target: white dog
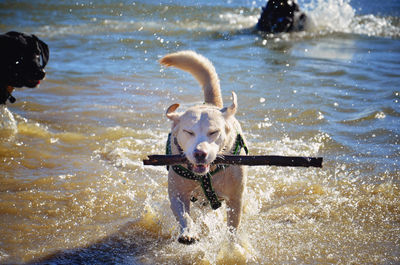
202, 133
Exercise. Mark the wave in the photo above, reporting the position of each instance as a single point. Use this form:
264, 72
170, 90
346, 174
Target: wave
327, 16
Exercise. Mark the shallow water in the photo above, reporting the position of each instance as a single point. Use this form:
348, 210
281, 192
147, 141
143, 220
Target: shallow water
73, 189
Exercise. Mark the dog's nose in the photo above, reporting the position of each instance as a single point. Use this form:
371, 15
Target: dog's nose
40, 74
199, 155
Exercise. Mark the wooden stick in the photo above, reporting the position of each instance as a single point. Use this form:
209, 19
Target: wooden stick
262, 160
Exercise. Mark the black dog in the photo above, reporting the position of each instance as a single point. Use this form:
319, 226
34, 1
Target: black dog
23, 58
281, 16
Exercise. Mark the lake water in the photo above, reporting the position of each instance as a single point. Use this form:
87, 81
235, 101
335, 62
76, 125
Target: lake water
73, 189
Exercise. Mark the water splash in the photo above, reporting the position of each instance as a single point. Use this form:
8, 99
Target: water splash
375, 26
330, 14
339, 16
8, 124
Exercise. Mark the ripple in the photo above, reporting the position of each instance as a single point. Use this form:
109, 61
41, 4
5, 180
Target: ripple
364, 118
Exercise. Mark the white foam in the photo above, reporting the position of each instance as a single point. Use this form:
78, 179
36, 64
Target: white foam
335, 15
374, 26
8, 124
340, 16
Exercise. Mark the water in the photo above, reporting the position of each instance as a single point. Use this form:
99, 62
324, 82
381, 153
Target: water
73, 188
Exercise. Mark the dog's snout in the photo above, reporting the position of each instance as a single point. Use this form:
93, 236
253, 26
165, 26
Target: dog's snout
199, 155
40, 74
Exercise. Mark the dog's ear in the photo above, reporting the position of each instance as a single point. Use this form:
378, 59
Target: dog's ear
231, 110
171, 114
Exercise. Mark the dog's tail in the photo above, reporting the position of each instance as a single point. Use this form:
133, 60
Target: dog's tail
202, 69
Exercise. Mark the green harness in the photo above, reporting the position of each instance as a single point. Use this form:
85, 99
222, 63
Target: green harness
205, 180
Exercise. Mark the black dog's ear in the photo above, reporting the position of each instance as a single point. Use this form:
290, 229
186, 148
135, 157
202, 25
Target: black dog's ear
44, 50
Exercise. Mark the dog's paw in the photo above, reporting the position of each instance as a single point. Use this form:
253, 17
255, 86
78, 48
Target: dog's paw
187, 240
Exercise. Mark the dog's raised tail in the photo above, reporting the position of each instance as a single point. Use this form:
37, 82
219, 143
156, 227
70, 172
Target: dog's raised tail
202, 69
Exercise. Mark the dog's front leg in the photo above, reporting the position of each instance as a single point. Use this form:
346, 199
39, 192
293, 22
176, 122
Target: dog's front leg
235, 197
234, 212
179, 196
180, 206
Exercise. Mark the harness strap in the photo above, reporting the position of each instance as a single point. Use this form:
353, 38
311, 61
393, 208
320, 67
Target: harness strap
205, 180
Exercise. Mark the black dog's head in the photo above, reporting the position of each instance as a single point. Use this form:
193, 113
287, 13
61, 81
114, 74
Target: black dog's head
281, 16
23, 58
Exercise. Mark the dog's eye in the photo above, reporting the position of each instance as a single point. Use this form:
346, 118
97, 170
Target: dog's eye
212, 133
189, 132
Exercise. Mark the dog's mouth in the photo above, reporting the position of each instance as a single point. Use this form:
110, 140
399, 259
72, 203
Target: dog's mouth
32, 83
200, 169
35, 79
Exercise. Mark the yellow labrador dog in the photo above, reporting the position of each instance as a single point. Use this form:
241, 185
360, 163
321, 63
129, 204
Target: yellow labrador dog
202, 133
